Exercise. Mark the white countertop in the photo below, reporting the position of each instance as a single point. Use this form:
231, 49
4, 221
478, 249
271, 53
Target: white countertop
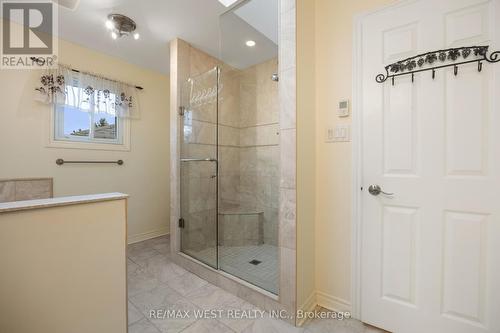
61, 201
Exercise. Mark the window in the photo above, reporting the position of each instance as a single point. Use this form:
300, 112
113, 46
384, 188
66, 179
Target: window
88, 111
78, 125
72, 124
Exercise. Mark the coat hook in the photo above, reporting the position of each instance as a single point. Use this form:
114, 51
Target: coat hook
449, 58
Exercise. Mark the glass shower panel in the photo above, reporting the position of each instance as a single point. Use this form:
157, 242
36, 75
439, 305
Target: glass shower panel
249, 144
198, 167
230, 151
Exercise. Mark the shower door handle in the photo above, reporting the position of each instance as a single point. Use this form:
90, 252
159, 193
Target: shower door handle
199, 160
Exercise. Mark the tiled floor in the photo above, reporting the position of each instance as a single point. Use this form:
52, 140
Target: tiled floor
156, 283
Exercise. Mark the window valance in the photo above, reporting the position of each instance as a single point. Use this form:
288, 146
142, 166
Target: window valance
88, 92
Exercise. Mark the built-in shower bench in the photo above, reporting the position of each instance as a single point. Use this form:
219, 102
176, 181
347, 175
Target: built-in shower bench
241, 227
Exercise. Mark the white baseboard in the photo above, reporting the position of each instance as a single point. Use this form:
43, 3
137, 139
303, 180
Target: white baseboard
326, 301
131, 239
332, 303
308, 306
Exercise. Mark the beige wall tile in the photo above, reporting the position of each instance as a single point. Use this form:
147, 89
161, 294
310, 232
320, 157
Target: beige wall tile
200, 62
260, 135
288, 100
229, 161
240, 229
33, 189
286, 5
229, 136
270, 225
288, 218
288, 158
287, 40
7, 191
287, 277
200, 132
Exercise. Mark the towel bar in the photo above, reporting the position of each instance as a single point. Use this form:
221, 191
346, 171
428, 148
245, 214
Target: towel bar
60, 161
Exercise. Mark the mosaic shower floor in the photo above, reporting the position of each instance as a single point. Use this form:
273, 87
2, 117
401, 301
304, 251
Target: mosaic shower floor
256, 264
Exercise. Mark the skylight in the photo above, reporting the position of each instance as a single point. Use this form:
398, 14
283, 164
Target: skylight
227, 3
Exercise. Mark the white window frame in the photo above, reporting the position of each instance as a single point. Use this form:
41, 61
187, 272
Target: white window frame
58, 140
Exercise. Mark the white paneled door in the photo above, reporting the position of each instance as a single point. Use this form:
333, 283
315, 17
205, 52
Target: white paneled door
430, 253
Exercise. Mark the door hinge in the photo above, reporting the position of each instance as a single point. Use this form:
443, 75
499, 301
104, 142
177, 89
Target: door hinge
182, 110
182, 223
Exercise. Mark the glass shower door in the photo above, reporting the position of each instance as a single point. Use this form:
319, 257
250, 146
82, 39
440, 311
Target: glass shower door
249, 151
198, 168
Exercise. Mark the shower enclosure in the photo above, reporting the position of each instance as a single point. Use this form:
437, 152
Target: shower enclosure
230, 151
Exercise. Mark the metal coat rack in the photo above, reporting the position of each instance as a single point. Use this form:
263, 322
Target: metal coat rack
431, 61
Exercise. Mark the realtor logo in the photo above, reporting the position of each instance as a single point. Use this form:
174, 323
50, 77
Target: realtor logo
28, 34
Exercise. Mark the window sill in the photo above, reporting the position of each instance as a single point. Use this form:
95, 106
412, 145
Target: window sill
61, 144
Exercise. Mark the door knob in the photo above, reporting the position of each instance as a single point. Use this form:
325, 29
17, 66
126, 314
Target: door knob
376, 190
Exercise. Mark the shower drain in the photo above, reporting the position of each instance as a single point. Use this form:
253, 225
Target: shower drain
255, 262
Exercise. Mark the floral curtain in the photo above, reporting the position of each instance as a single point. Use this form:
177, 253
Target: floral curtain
87, 93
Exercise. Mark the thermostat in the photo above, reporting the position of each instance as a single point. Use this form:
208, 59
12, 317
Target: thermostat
343, 110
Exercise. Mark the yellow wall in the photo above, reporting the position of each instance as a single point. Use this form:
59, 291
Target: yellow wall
63, 271
145, 175
334, 41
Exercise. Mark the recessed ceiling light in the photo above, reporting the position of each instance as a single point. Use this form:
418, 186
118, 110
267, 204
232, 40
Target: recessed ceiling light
227, 3
114, 35
136, 35
250, 43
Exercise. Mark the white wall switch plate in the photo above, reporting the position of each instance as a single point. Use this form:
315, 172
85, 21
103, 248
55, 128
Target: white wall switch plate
342, 133
330, 134
339, 133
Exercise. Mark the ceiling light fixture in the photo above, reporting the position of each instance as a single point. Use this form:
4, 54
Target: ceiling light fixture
250, 43
121, 25
109, 25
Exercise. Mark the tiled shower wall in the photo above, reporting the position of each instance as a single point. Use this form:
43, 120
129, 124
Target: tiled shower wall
248, 153
229, 139
259, 145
